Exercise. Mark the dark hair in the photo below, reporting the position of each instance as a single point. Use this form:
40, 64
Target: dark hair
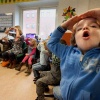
62, 41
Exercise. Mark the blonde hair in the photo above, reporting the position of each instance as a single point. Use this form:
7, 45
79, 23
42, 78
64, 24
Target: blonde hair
34, 42
19, 29
45, 45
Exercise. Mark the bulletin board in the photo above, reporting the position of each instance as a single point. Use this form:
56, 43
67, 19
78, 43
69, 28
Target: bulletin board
5, 21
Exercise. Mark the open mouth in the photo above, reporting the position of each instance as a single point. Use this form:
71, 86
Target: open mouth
86, 35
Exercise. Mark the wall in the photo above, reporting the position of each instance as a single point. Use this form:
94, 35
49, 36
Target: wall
2, 35
80, 5
11, 8
17, 15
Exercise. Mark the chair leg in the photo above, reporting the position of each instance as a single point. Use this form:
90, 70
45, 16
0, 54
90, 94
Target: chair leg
49, 95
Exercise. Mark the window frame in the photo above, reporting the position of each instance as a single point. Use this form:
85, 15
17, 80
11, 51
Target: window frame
38, 16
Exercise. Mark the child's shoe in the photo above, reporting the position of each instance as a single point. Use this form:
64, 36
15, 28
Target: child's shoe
5, 63
19, 67
29, 69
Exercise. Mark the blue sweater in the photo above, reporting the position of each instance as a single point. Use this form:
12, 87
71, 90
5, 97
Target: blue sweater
80, 75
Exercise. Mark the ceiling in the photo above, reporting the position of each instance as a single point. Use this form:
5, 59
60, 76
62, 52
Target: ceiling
38, 3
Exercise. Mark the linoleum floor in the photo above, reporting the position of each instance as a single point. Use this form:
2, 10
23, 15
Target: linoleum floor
16, 85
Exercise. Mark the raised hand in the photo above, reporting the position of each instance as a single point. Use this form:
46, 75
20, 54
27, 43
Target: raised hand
70, 22
94, 13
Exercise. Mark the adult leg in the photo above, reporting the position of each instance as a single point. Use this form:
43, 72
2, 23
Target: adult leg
12, 58
5, 56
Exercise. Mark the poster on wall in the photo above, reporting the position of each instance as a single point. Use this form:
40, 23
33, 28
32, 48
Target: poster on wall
14, 1
6, 21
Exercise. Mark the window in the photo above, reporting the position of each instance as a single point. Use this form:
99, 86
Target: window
29, 21
27, 15
33, 15
42, 24
47, 22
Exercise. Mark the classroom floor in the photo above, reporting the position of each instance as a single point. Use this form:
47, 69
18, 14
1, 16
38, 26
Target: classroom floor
16, 85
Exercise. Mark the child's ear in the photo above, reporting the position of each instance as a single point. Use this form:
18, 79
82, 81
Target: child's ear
75, 45
99, 44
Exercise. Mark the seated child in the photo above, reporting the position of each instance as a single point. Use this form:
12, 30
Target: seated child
32, 45
42, 65
51, 77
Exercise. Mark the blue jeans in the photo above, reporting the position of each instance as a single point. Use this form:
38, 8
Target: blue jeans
38, 67
57, 93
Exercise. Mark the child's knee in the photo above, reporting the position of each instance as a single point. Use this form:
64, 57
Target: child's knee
39, 83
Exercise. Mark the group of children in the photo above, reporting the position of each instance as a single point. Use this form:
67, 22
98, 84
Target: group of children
78, 63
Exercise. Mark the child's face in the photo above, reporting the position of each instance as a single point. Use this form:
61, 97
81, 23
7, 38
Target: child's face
32, 42
87, 34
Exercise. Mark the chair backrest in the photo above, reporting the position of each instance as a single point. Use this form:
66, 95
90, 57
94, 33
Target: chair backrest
24, 47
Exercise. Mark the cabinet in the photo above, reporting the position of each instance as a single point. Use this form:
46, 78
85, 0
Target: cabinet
67, 37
